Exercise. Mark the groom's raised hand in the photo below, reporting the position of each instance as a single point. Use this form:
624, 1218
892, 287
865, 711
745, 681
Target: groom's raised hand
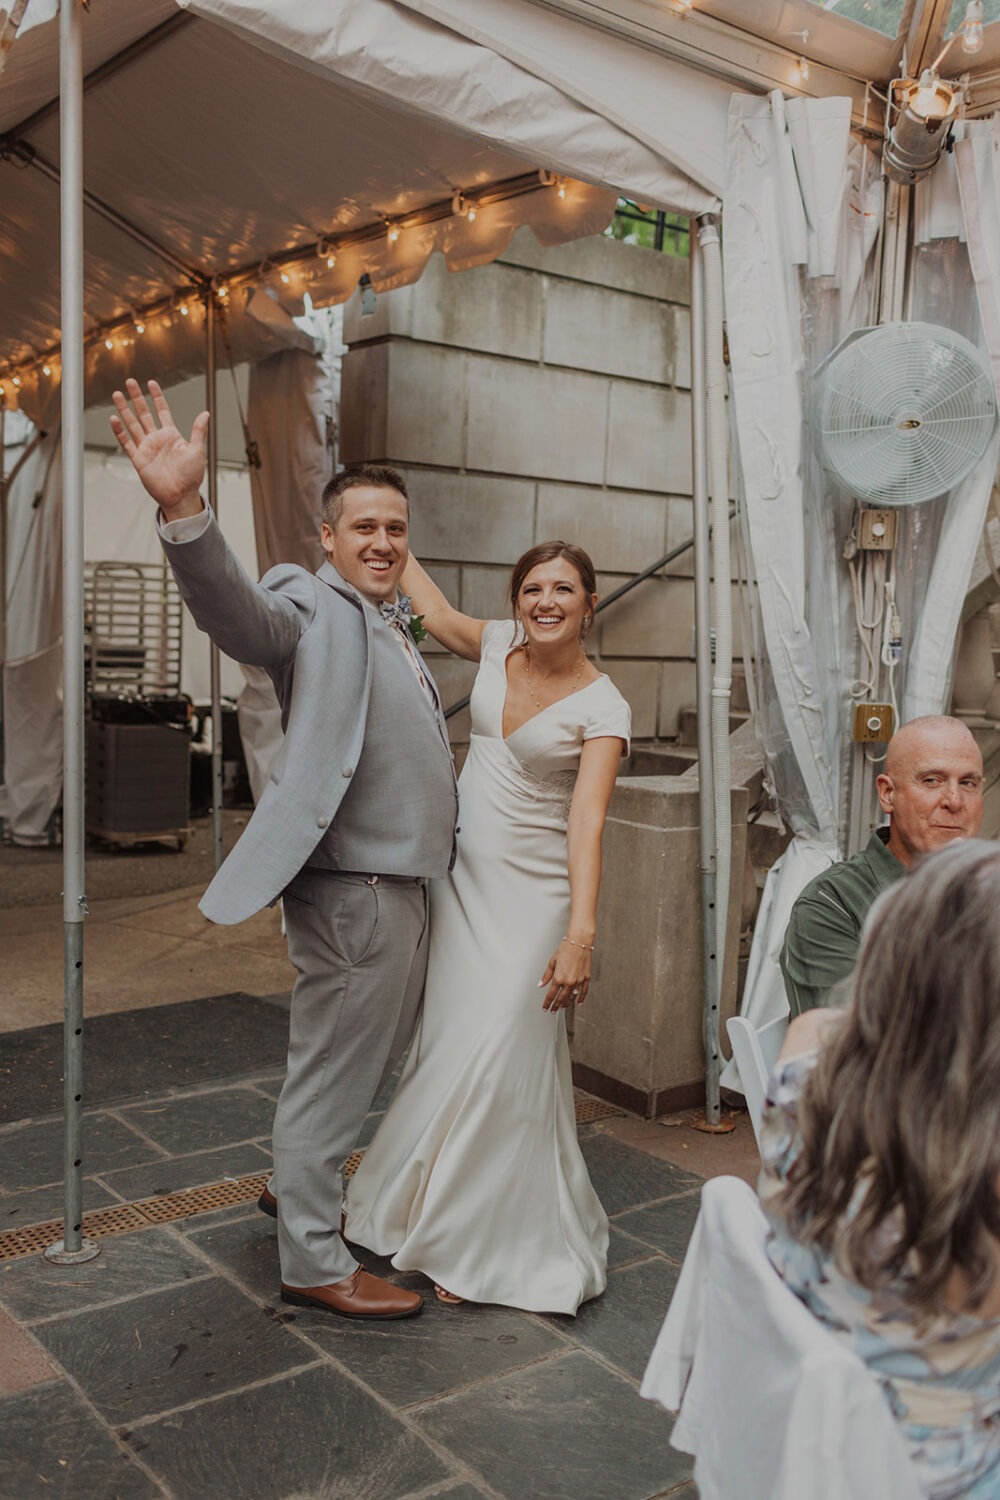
170, 466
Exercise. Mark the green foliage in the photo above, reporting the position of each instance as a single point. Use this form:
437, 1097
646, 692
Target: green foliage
649, 227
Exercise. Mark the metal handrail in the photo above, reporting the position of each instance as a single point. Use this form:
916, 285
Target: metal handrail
619, 593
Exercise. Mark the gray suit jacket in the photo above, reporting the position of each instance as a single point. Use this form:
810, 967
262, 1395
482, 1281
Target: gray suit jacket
311, 633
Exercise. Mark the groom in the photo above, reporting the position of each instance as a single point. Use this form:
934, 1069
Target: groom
359, 812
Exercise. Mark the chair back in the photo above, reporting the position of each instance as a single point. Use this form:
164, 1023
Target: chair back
756, 1053
772, 1405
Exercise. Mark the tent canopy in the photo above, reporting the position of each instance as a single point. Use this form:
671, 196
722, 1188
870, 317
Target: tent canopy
211, 157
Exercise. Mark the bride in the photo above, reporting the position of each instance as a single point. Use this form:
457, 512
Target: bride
475, 1176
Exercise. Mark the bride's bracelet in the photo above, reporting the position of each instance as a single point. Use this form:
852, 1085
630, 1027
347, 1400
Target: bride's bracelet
589, 946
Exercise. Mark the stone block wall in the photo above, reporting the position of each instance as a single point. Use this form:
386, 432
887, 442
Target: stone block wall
546, 394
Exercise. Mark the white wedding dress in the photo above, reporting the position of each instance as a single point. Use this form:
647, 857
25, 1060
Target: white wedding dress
475, 1176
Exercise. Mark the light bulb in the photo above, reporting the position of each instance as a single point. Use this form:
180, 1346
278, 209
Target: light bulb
931, 99
471, 216
393, 233
140, 327
46, 369
331, 261
183, 309
803, 69
17, 382
285, 277
561, 190
109, 344
972, 27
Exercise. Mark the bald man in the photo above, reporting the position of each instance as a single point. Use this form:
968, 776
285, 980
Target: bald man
932, 791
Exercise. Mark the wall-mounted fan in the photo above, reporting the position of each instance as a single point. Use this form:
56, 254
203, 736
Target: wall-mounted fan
905, 411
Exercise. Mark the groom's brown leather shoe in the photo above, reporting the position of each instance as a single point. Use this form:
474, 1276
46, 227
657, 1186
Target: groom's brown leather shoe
361, 1295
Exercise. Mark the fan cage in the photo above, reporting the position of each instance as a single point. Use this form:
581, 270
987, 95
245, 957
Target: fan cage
906, 412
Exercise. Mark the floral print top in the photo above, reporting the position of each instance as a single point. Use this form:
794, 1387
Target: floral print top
943, 1381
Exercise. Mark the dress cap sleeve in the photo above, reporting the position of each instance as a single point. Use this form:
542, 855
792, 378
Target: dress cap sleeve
611, 717
499, 636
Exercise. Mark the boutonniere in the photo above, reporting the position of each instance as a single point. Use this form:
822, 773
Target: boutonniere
415, 625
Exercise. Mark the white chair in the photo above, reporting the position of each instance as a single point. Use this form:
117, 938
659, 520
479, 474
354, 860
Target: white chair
771, 1404
756, 1053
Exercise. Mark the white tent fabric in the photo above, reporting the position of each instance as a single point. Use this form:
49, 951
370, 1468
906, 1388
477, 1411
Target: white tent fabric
780, 330
266, 159
32, 741
532, 82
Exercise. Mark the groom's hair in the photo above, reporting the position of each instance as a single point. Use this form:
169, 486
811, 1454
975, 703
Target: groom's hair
375, 476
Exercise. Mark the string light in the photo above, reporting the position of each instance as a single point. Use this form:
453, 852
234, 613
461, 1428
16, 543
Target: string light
972, 27
164, 313
803, 69
462, 208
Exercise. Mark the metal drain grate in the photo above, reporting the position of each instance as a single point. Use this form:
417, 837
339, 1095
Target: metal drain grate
125, 1218
595, 1109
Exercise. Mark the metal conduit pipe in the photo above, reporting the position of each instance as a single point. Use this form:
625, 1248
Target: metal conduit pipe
722, 679
72, 1248
215, 669
703, 669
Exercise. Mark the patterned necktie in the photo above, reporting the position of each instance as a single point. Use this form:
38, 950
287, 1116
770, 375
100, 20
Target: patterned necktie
398, 616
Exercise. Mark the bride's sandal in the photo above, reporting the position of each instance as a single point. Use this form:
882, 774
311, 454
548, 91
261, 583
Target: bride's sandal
448, 1298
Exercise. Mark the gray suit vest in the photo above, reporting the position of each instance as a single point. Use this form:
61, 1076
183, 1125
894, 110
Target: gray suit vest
392, 821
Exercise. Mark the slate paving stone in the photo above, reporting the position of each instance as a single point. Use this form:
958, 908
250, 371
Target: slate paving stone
200, 1122
622, 1325
459, 1492
246, 1247
173, 1174
148, 1354
441, 1350
127, 1265
38, 1205
565, 1429
665, 1226
316, 1433
137, 1053
624, 1248
624, 1178
31, 1155
54, 1447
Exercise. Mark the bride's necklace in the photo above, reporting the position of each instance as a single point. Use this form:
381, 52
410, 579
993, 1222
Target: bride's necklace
531, 681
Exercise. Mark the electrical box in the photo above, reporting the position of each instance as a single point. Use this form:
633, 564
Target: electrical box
873, 723
877, 531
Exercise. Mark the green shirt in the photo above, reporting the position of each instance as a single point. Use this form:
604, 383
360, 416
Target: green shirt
824, 930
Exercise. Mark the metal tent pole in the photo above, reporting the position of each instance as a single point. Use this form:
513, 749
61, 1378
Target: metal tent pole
211, 397
703, 658
72, 1248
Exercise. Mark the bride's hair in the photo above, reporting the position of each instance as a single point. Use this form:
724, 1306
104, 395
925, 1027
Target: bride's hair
905, 1097
544, 552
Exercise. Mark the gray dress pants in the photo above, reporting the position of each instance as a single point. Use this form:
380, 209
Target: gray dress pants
359, 946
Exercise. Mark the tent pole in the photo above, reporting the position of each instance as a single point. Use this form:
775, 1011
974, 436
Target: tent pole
703, 657
72, 1248
3, 579
211, 401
